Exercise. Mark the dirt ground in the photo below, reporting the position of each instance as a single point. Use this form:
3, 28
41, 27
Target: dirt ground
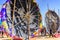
37, 38
42, 38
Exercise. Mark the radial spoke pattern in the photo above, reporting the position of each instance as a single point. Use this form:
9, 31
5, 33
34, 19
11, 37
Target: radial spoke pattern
24, 9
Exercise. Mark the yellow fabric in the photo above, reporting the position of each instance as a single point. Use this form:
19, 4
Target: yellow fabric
35, 33
40, 26
5, 24
10, 37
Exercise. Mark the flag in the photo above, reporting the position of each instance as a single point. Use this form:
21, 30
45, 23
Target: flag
4, 17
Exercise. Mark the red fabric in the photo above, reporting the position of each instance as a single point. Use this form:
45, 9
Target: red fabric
57, 35
16, 38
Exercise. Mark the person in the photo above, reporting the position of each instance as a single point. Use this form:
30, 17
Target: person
50, 32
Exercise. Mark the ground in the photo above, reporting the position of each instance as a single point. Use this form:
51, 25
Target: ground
42, 38
36, 38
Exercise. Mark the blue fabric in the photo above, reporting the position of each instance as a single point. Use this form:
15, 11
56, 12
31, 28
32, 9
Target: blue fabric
7, 1
4, 15
0, 22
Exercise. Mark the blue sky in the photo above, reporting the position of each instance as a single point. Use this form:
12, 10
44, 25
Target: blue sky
53, 5
2, 1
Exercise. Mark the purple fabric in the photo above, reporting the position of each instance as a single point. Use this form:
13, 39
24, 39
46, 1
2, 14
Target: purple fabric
0, 14
3, 11
1, 28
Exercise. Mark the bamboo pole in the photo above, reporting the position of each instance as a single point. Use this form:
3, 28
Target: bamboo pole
28, 29
28, 20
28, 17
13, 17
